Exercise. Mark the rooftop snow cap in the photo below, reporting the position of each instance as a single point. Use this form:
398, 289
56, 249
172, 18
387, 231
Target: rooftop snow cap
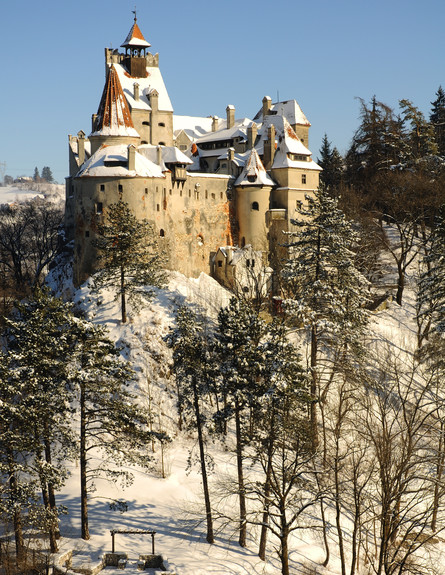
135, 38
113, 115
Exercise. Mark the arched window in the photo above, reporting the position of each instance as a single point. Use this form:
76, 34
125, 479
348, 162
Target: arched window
161, 124
255, 206
145, 123
161, 233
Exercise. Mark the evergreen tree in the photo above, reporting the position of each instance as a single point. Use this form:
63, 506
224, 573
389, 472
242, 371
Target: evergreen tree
378, 143
36, 176
285, 387
47, 175
237, 337
129, 255
421, 133
437, 119
332, 163
193, 371
39, 344
110, 420
325, 291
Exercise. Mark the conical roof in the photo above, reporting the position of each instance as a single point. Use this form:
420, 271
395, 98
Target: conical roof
113, 115
135, 38
254, 173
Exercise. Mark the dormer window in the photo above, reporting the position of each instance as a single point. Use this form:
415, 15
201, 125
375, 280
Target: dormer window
251, 178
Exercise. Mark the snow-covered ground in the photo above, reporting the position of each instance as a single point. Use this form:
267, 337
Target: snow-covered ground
18, 193
170, 506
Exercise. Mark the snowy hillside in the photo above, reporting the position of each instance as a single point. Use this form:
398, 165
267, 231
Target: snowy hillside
18, 193
172, 505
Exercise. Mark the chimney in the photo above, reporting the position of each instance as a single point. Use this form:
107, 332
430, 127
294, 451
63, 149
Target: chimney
267, 103
215, 122
131, 155
154, 96
81, 147
93, 122
136, 91
230, 110
269, 148
159, 155
252, 132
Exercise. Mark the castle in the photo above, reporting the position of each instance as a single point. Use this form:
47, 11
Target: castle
210, 186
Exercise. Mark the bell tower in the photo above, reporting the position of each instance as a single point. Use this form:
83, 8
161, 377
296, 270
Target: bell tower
135, 51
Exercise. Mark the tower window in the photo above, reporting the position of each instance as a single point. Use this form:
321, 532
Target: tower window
303, 178
161, 233
98, 207
145, 123
120, 188
87, 234
161, 124
102, 187
255, 206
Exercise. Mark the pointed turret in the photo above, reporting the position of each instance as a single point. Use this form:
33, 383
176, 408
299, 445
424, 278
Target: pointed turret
113, 122
135, 49
135, 39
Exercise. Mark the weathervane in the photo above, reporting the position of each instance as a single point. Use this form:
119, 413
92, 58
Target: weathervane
134, 12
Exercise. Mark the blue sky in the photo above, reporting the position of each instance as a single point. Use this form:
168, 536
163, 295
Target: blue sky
324, 54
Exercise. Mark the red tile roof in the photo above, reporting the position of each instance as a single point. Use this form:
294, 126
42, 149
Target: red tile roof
135, 38
113, 115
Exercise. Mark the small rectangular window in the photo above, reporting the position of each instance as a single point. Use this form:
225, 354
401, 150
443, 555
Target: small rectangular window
146, 190
158, 207
87, 233
303, 178
102, 187
220, 264
98, 207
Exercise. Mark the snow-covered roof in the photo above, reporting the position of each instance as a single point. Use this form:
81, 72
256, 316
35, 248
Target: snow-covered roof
238, 130
135, 38
112, 161
253, 173
169, 154
153, 81
113, 115
194, 126
290, 109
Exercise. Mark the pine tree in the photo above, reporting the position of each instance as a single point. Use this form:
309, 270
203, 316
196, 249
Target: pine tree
132, 263
437, 119
332, 163
378, 143
47, 175
325, 291
110, 420
421, 133
36, 176
284, 386
193, 372
39, 344
238, 334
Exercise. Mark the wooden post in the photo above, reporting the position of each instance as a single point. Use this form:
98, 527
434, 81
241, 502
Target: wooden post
112, 542
152, 543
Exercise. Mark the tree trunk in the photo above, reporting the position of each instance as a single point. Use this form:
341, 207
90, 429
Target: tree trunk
83, 468
17, 518
314, 387
284, 549
439, 472
210, 537
400, 283
241, 487
123, 299
51, 492
265, 521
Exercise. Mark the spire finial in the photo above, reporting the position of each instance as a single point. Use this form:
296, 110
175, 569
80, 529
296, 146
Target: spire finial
134, 12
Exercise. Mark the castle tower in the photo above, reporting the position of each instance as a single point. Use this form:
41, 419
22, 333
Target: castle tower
135, 48
113, 123
253, 188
